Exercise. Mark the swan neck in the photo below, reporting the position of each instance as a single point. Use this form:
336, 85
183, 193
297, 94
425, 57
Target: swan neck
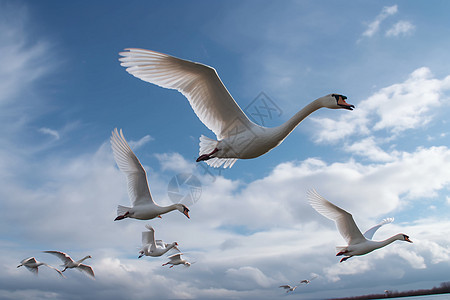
296, 119
387, 241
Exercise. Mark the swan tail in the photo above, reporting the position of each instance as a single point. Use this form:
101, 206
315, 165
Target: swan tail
122, 212
341, 250
207, 145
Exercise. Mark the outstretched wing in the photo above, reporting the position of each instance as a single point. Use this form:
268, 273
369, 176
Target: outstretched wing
148, 237
52, 267
87, 269
129, 164
371, 231
200, 84
61, 255
285, 286
344, 221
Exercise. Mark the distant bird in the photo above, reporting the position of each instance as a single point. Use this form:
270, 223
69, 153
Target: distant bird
143, 206
357, 243
33, 265
238, 137
307, 281
176, 259
150, 247
288, 288
69, 263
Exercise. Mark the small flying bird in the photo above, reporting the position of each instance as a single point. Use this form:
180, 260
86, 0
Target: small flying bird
150, 247
143, 206
307, 281
69, 263
176, 259
237, 136
288, 288
357, 243
33, 265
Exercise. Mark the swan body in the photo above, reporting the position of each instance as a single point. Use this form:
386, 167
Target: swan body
288, 288
237, 136
69, 263
176, 259
152, 247
358, 244
33, 265
143, 206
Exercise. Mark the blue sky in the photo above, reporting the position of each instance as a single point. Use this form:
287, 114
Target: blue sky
62, 92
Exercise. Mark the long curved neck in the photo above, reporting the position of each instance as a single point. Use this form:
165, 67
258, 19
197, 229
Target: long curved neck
285, 129
83, 259
388, 241
166, 209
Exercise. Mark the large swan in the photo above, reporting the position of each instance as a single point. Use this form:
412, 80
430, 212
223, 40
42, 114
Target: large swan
237, 136
33, 265
357, 243
143, 206
150, 247
176, 259
69, 263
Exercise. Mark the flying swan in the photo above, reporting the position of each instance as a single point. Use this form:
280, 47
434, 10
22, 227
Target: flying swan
33, 265
150, 247
176, 259
237, 136
288, 288
143, 206
358, 244
69, 263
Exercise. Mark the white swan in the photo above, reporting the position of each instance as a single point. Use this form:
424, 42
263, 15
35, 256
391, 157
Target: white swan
238, 137
176, 259
288, 288
33, 265
143, 206
69, 263
150, 247
357, 243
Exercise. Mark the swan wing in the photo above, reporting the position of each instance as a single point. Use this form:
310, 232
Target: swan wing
30, 260
148, 237
200, 84
35, 270
174, 257
371, 231
52, 267
344, 220
285, 286
128, 163
62, 256
87, 269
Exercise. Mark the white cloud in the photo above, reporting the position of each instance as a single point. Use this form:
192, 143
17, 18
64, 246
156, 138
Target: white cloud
399, 107
175, 162
141, 142
400, 28
374, 26
50, 132
368, 148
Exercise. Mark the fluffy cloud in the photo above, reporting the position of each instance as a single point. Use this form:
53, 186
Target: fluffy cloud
374, 26
400, 28
408, 105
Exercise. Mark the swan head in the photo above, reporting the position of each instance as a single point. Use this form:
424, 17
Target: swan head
187, 264
183, 209
336, 101
404, 237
